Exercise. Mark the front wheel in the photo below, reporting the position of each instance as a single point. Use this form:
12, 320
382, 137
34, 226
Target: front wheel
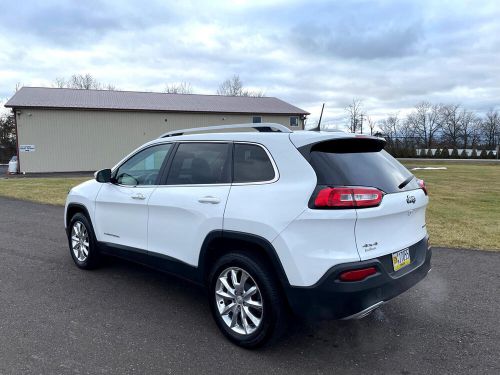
82, 242
246, 301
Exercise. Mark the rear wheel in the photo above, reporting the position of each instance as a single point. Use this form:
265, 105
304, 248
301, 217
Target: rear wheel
246, 301
82, 242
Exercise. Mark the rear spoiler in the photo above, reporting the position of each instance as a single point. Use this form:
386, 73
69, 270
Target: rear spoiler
359, 143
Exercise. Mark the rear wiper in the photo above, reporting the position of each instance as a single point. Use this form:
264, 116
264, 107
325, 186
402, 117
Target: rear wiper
406, 182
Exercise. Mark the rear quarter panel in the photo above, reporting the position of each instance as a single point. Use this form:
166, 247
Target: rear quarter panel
265, 209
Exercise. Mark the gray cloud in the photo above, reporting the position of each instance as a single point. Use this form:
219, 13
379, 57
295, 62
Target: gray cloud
391, 54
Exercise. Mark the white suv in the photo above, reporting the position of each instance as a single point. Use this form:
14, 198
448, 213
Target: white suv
323, 224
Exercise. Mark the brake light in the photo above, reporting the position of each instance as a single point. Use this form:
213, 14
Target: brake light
357, 275
348, 197
421, 183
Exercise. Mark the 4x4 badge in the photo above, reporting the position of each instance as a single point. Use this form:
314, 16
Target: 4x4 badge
410, 199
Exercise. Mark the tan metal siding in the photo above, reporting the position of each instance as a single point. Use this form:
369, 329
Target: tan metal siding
78, 140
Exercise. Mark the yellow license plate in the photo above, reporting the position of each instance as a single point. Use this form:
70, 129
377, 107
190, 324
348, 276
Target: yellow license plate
401, 259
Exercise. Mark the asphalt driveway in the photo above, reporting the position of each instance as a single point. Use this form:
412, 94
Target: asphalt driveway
124, 318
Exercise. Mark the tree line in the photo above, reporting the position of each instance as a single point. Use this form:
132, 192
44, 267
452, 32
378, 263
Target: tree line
232, 86
431, 126
7, 137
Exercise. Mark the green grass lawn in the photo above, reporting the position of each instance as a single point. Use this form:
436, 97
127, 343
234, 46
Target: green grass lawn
41, 190
464, 209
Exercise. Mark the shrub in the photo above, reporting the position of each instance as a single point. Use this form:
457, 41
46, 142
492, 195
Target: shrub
411, 152
454, 154
437, 154
429, 153
483, 154
445, 154
473, 155
463, 155
491, 155
422, 153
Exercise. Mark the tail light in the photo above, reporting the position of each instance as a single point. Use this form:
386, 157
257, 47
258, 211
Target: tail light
348, 197
357, 275
421, 183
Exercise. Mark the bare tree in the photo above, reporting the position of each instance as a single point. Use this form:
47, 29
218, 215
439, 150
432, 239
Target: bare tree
355, 115
7, 137
109, 86
179, 88
234, 87
469, 128
425, 121
60, 83
82, 82
371, 124
389, 127
451, 122
491, 128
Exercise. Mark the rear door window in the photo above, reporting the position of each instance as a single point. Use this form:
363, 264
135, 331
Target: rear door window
359, 162
251, 164
200, 163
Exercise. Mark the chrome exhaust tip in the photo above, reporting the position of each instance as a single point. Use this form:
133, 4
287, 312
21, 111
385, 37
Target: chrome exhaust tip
365, 312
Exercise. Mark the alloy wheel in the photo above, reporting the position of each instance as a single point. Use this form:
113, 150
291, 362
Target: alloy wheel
239, 301
80, 241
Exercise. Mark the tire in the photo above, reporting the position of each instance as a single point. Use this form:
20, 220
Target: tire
272, 316
85, 252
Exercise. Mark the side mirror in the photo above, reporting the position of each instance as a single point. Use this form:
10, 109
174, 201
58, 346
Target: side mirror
103, 176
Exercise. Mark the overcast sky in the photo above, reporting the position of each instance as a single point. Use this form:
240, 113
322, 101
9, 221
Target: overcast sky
391, 54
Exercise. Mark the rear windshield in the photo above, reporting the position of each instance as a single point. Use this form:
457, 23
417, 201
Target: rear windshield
359, 162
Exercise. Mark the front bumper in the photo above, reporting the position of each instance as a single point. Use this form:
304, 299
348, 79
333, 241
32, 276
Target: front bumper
331, 298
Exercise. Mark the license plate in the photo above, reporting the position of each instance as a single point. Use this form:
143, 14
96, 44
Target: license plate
401, 259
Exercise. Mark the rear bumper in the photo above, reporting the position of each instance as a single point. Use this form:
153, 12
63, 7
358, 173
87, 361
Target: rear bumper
331, 298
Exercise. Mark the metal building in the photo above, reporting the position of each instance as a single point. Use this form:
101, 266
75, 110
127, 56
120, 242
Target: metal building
64, 130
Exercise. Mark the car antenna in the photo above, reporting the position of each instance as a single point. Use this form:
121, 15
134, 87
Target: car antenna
318, 127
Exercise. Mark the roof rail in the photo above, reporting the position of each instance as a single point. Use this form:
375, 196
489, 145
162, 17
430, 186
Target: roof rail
262, 127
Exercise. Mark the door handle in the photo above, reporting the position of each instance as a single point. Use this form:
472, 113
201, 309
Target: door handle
139, 196
209, 199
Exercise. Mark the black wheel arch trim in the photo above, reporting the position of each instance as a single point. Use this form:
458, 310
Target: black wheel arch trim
244, 237
80, 207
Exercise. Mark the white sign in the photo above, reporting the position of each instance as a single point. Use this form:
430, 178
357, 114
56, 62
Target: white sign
27, 148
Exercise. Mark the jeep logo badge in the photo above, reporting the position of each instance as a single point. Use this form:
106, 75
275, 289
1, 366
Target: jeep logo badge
410, 199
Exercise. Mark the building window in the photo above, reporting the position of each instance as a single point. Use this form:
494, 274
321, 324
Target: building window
256, 119
294, 121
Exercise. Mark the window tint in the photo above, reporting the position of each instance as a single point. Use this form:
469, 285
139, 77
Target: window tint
251, 164
359, 163
257, 119
294, 121
142, 168
200, 163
